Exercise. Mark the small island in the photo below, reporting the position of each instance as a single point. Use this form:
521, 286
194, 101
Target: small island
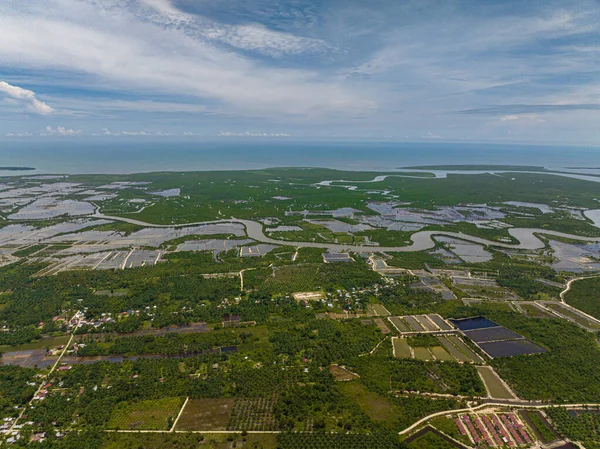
17, 168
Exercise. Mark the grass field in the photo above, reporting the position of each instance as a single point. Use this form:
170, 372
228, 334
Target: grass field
493, 384
401, 348
205, 414
145, 415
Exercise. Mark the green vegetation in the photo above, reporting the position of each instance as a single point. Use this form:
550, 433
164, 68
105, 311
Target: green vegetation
15, 388
382, 440
422, 340
583, 295
572, 350
578, 425
155, 414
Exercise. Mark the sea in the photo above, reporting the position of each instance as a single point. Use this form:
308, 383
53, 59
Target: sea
107, 156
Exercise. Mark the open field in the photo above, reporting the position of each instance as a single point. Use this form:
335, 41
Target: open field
205, 414
147, 415
493, 384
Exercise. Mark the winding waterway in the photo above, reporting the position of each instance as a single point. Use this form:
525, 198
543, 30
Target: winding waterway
421, 240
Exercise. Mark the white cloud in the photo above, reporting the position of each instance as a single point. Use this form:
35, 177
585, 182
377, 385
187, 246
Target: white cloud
25, 98
121, 52
505, 118
59, 131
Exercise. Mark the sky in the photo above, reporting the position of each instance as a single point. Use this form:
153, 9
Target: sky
477, 70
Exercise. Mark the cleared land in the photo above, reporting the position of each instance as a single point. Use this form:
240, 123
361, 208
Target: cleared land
205, 414
145, 415
493, 384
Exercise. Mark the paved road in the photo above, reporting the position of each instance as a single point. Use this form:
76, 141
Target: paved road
420, 240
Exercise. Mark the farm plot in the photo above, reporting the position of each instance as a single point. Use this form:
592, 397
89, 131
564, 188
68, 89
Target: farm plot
145, 415
453, 350
534, 311
461, 345
426, 323
573, 315
420, 323
399, 324
441, 323
440, 353
492, 334
413, 323
493, 384
422, 354
495, 340
205, 414
401, 348
511, 348
382, 326
253, 414
377, 310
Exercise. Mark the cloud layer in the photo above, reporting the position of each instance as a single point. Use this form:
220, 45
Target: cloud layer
490, 71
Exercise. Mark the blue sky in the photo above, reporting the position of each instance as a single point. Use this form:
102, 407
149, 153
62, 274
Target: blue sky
498, 71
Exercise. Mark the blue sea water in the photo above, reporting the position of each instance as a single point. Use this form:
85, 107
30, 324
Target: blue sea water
77, 156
